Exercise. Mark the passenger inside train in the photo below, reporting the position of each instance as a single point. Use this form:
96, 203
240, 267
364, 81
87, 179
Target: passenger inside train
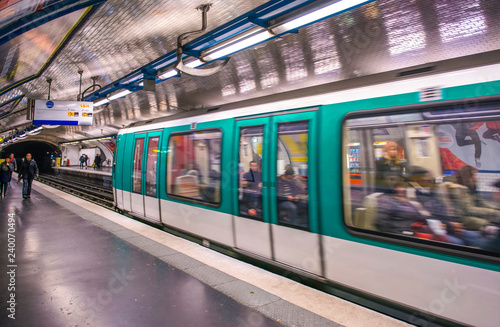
251, 184
420, 179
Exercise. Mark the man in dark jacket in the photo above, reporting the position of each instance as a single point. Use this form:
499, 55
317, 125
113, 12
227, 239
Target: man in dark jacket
28, 172
5, 174
97, 161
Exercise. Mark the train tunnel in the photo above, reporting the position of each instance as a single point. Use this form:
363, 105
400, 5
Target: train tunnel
41, 152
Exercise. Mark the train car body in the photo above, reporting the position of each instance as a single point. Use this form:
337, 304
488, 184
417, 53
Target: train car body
311, 203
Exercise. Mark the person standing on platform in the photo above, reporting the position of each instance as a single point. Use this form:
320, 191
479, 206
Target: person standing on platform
82, 160
5, 175
97, 161
86, 160
28, 172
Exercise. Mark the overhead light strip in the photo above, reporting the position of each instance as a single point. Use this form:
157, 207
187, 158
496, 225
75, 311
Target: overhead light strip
118, 95
238, 46
317, 15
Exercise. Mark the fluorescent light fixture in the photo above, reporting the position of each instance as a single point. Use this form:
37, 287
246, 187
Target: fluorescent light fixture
100, 103
113, 97
194, 64
240, 45
35, 131
132, 79
168, 74
173, 72
164, 64
119, 95
318, 14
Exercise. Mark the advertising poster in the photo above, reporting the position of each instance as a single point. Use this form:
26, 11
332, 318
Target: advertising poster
25, 55
476, 144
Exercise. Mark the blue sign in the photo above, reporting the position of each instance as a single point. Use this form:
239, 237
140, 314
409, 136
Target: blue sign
49, 104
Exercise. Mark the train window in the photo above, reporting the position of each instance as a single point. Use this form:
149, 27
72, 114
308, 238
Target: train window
250, 172
151, 166
193, 168
291, 184
432, 175
137, 173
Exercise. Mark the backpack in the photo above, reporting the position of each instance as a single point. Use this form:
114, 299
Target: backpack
5, 167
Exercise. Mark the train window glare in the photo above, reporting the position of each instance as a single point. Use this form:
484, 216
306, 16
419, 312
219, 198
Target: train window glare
137, 167
151, 166
434, 179
193, 167
250, 172
292, 172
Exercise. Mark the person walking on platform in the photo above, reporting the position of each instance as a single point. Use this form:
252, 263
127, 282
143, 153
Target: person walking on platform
5, 175
28, 172
12, 164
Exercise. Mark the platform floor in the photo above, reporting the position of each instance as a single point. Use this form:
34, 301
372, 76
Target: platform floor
78, 264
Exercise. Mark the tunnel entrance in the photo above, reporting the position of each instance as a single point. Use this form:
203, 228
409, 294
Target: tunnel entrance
40, 151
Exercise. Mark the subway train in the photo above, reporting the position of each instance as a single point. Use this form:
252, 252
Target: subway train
385, 185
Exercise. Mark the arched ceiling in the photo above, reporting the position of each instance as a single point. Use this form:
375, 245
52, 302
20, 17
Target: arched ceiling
123, 35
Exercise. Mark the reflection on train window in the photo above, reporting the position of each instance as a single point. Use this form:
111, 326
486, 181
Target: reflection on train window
250, 172
430, 175
291, 182
137, 173
193, 169
151, 166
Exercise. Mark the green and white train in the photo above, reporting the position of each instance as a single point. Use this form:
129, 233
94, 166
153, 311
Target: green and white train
192, 173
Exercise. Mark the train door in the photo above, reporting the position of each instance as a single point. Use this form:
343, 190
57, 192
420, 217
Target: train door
253, 221
150, 171
293, 183
276, 199
136, 197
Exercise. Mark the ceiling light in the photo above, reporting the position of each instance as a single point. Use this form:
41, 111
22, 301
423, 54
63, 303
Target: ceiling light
237, 46
132, 79
119, 95
318, 14
194, 64
168, 74
100, 103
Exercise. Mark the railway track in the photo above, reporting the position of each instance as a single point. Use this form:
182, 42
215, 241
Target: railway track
100, 195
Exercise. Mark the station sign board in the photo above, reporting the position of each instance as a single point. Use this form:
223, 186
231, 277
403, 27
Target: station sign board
50, 112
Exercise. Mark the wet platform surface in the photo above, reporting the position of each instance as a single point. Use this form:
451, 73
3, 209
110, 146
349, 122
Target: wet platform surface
72, 272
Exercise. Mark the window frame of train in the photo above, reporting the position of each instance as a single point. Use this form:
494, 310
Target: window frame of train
271, 124
168, 163
481, 112
138, 138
